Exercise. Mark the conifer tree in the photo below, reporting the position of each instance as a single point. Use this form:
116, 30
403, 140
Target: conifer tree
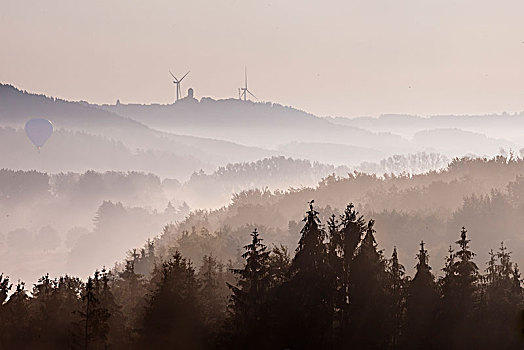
421, 306
129, 290
213, 294
310, 255
335, 256
173, 317
350, 231
368, 304
517, 283
396, 293
144, 262
279, 264
502, 301
117, 337
466, 271
15, 327
93, 316
491, 271
312, 287
68, 295
5, 287
460, 299
53, 306
337, 292
249, 295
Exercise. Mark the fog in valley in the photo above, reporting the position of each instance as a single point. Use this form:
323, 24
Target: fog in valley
123, 173
261, 175
115, 185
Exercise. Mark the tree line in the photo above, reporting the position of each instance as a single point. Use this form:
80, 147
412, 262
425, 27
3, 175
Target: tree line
337, 291
485, 195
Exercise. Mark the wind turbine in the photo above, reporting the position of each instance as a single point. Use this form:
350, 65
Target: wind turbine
177, 83
242, 92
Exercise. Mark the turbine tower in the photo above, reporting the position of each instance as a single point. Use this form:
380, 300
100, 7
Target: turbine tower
242, 92
177, 83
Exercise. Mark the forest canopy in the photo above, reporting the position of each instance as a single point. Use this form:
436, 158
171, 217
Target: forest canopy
337, 290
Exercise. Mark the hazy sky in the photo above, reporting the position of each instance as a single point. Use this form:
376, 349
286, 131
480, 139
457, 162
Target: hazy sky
340, 58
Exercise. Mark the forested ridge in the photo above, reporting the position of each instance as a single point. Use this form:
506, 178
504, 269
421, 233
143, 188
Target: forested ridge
125, 208
484, 194
336, 291
252, 275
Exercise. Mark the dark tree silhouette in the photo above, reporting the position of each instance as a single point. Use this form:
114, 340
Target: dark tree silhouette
53, 307
94, 316
310, 291
250, 294
344, 239
5, 287
173, 317
421, 305
336, 292
15, 326
502, 301
279, 265
213, 295
459, 287
369, 304
129, 289
396, 296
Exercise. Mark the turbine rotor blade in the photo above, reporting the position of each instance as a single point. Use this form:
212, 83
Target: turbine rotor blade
252, 94
173, 75
184, 76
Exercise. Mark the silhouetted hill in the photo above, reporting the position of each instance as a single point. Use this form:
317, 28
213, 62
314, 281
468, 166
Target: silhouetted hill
257, 124
79, 151
506, 126
276, 126
451, 135
16, 107
290, 131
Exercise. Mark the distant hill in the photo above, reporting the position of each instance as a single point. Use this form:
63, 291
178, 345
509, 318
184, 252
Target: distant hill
79, 151
453, 141
256, 124
16, 107
332, 153
507, 126
216, 132
452, 135
341, 140
212, 132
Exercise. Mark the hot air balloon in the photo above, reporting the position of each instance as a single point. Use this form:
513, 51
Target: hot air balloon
38, 130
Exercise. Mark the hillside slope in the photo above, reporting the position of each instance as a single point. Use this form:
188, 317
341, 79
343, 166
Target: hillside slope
255, 124
503, 125
16, 107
